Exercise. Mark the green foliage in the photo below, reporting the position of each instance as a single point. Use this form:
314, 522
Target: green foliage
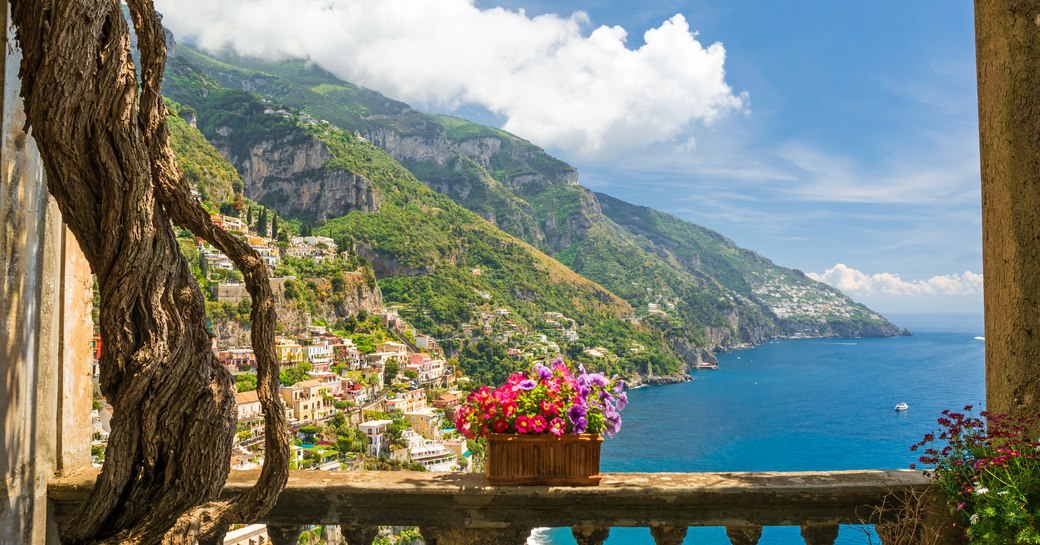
988, 468
200, 163
246, 382
390, 372
297, 373
261, 222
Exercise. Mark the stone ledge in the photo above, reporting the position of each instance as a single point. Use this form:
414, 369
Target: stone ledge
466, 500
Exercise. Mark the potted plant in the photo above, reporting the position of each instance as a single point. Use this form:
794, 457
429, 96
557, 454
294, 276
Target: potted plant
544, 426
988, 468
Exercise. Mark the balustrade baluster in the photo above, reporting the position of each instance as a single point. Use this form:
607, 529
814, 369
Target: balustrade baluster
668, 535
284, 534
358, 535
744, 535
814, 534
590, 535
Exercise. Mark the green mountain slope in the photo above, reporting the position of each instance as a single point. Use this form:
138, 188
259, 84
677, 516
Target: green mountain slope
446, 265
702, 297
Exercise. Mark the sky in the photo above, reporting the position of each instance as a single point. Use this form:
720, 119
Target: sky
838, 138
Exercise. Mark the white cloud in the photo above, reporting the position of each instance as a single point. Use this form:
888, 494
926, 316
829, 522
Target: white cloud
857, 283
585, 93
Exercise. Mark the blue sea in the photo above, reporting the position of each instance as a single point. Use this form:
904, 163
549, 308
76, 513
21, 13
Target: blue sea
807, 404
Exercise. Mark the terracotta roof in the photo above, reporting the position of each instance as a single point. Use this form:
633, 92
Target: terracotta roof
246, 397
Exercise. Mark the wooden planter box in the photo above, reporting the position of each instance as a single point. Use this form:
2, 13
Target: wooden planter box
570, 460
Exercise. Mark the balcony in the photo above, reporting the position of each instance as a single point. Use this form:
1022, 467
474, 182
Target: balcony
463, 509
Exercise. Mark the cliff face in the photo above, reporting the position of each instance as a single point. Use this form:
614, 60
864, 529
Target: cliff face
289, 175
356, 294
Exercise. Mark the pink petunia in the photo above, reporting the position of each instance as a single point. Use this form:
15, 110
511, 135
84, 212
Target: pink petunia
538, 424
557, 426
500, 426
508, 408
523, 424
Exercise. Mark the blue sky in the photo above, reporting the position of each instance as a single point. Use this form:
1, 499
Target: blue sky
838, 138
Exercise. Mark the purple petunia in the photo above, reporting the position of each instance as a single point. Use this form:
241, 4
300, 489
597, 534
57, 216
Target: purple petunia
581, 425
622, 401
527, 385
597, 379
620, 386
544, 372
575, 414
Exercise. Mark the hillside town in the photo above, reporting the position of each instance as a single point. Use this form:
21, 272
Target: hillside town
389, 405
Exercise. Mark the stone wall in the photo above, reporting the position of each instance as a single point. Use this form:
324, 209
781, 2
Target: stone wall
45, 328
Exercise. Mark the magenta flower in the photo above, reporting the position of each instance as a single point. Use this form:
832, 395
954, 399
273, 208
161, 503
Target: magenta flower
538, 424
523, 424
527, 385
557, 426
500, 426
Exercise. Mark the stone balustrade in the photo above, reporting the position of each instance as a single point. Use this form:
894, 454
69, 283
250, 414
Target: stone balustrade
463, 509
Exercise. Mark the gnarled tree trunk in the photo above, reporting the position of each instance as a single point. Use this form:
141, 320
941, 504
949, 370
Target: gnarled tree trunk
109, 166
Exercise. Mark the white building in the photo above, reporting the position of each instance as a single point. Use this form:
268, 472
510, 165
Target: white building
376, 431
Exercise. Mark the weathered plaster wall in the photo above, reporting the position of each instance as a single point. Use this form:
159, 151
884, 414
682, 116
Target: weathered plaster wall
45, 328
1007, 41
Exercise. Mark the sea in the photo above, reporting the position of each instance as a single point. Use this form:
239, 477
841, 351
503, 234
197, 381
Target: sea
794, 405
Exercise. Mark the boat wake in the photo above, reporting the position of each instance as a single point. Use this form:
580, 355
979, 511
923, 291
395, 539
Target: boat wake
980, 338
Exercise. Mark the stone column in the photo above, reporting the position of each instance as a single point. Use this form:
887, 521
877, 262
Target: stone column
744, 535
1007, 39
590, 535
668, 535
45, 327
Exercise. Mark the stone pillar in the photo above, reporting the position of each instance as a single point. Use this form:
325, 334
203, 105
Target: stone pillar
358, 535
45, 327
668, 535
744, 535
1007, 38
281, 534
590, 535
819, 534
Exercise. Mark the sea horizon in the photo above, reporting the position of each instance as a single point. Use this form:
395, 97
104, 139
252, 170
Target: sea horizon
800, 405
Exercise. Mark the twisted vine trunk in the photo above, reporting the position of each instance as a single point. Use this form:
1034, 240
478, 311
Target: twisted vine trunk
109, 166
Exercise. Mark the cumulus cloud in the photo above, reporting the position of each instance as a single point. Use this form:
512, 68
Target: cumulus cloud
855, 282
555, 84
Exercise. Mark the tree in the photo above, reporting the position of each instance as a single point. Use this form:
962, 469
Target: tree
249, 215
274, 226
261, 222
118, 190
306, 231
390, 372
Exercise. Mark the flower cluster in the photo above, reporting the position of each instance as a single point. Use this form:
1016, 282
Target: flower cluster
546, 399
988, 466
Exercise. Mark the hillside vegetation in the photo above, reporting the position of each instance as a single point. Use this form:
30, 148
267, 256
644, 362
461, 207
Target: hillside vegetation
685, 284
444, 264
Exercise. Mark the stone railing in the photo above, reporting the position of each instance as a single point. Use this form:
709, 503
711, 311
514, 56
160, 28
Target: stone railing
463, 509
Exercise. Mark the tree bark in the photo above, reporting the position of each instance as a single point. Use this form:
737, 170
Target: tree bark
110, 168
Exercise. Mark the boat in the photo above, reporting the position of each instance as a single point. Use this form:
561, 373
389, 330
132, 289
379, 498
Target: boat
707, 365
902, 407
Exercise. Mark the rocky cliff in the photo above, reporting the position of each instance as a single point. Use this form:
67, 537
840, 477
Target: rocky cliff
289, 175
354, 294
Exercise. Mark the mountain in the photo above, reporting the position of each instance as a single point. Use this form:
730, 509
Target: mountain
449, 268
692, 286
